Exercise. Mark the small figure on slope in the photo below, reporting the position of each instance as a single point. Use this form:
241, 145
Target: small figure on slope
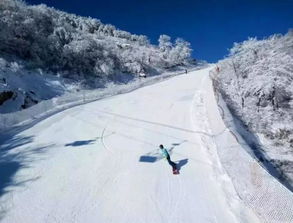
167, 156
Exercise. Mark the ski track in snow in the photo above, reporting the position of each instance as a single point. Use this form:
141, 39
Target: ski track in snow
92, 171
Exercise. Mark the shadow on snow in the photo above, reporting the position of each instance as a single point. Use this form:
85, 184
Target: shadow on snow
181, 163
81, 143
12, 160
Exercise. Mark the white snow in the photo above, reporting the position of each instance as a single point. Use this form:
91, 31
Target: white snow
99, 162
73, 95
24, 83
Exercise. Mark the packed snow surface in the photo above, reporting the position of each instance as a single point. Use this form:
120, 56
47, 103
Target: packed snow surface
99, 162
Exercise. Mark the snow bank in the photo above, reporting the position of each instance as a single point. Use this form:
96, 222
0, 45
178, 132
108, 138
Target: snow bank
57, 104
259, 190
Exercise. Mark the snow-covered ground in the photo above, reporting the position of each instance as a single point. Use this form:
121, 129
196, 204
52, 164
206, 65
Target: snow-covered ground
99, 162
28, 87
55, 94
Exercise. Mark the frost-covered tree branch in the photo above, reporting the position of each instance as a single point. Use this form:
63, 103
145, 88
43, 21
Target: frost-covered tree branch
72, 45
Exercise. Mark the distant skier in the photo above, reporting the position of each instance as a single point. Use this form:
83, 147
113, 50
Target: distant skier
186, 71
167, 156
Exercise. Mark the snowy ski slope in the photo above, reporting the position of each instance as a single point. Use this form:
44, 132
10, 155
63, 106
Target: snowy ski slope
99, 162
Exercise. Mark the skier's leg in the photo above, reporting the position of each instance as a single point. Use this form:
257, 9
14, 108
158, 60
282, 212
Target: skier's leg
171, 163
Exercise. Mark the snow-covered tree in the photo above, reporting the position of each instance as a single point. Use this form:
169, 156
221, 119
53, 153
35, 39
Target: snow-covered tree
256, 83
165, 44
181, 52
66, 43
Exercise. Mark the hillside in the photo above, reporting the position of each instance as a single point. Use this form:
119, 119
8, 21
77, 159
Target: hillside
256, 83
38, 42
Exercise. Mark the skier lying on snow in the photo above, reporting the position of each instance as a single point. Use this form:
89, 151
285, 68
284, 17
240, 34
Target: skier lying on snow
167, 156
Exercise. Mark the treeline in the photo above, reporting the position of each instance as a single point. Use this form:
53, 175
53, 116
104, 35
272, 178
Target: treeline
73, 45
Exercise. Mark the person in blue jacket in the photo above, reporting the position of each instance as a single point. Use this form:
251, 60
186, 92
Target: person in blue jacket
167, 156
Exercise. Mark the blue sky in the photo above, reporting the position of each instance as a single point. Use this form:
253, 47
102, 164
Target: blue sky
211, 26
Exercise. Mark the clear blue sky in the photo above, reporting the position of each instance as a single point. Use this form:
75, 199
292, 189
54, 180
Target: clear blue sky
211, 26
